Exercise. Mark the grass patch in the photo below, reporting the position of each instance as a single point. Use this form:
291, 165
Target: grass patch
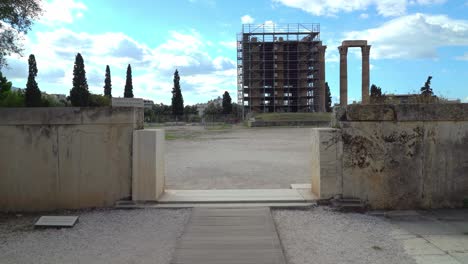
219, 127
319, 116
175, 135
153, 125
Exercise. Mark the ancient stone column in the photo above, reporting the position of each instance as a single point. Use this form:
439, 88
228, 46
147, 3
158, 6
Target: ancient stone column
343, 75
322, 92
365, 74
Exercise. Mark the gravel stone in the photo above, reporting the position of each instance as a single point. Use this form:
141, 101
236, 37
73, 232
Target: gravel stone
100, 236
320, 235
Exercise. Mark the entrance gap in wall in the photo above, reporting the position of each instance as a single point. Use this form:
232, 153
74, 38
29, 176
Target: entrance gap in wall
237, 165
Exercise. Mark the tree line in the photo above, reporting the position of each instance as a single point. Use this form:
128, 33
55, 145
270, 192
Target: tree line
79, 95
426, 95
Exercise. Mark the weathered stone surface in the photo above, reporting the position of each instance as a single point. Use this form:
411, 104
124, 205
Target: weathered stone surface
148, 164
71, 116
404, 112
326, 151
415, 160
57, 158
354, 43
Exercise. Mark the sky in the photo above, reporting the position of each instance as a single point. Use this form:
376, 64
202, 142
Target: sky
411, 39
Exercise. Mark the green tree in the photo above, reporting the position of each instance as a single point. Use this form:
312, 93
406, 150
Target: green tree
426, 89
5, 85
9, 98
177, 99
213, 109
328, 99
79, 94
16, 18
107, 83
128, 93
227, 103
375, 91
32, 94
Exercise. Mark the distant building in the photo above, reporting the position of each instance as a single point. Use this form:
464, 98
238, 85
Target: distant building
59, 97
218, 101
201, 108
148, 104
280, 68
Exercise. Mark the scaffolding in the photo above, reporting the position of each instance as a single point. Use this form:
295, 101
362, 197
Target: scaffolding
278, 67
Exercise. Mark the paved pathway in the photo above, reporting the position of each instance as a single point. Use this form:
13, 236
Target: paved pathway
230, 236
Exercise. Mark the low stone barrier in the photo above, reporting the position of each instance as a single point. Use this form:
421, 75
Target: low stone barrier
396, 156
148, 164
65, 158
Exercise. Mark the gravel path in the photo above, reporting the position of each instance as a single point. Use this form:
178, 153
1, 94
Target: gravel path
101, 236
239, 159
326, 237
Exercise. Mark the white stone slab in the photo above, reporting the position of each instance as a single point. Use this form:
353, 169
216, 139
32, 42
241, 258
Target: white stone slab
301, 186
307, 194
435, 259
449, 243
461, 257
231, 195
420, 246
216, 205
128, 102
56, 221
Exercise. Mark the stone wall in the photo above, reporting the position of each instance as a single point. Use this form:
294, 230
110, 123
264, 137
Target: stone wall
57, 158
404, 156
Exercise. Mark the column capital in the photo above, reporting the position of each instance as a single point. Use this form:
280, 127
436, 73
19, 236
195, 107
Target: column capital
343, 50
365, 50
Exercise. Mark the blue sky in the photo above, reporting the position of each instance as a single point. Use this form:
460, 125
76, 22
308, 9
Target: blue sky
410, 40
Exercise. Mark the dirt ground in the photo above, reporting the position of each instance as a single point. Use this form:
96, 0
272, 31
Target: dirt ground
236, 158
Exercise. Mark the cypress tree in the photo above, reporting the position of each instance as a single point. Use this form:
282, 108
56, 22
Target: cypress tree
107, 83
79, 94
426, 89
33, 94
177, 99
375, 91
227, 103
128, 93
328, 99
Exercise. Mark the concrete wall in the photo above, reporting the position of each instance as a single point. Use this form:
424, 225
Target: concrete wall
148, 164
55, 158
405, 156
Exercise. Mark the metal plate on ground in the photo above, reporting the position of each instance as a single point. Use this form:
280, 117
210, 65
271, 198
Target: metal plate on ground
56, 221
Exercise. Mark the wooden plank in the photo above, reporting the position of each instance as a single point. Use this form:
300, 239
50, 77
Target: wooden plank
229, 236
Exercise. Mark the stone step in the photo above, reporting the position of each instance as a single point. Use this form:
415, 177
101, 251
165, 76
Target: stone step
141, 205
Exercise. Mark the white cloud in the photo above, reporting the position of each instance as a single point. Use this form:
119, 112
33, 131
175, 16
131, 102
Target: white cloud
229, 44
413, 36
333, 7
61, 11
463, 57
202, 76
247, 19
364, 16
465, 100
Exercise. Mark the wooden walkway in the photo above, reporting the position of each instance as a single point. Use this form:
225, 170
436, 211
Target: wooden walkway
229, 236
